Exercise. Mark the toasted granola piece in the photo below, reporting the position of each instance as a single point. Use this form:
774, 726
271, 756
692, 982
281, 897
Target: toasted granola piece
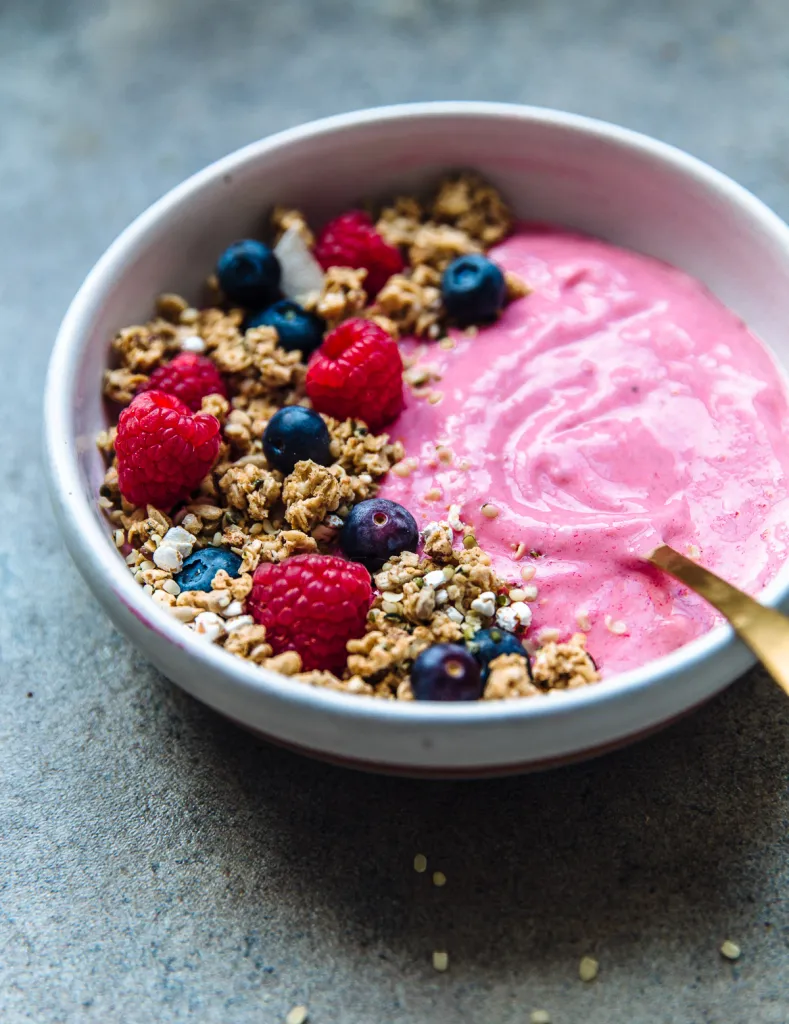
564, 666
438, 541
216, 405
437, 245
283, 218
251, 489
249, 642
329, 681
381, 651
218, 328
414, 308
276, 367
142, 348
287, 664
170, 307
358, 450
275, 547
311, 491
342, 296
399, 223
516, 286
509, 677
237, 586
121, 385
473, 206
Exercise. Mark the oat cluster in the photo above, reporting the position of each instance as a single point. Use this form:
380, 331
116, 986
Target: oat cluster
444, 594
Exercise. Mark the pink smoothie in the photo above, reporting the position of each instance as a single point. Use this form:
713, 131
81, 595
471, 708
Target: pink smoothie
618, 404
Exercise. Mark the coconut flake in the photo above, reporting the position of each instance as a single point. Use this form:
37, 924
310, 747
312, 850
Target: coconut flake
301, 273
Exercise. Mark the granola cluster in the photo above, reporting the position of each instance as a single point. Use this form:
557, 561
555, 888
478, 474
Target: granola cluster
444, 594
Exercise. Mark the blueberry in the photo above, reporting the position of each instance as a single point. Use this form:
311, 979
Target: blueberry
249, 273
488, 644
473, 290
297, 329
375, 530
201, 566
295, 434
446, 672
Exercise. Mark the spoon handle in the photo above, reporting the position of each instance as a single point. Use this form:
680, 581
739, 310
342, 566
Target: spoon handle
764, 630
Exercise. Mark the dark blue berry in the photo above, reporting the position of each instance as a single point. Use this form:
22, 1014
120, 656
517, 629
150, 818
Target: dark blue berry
473, 290
446, 672
488, 644
375, 530
249, 274
295, 434
201, 566
296, 328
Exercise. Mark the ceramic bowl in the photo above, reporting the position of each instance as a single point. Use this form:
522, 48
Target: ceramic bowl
552, 166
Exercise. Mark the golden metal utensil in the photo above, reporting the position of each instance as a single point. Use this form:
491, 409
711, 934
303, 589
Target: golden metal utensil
764, 630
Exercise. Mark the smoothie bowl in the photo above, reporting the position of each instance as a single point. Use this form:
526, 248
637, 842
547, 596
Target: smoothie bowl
378, 488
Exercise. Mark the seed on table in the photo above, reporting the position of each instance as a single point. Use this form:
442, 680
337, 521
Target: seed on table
588, 968
440, 960
420, 863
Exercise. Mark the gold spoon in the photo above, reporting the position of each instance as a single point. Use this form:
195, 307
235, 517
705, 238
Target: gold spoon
764, 630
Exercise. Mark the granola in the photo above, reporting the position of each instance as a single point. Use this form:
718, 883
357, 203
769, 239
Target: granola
445, 593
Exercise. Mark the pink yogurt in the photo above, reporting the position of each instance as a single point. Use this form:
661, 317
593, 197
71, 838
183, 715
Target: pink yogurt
618, 404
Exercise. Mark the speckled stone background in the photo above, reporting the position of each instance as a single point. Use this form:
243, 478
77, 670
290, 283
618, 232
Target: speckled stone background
157, 864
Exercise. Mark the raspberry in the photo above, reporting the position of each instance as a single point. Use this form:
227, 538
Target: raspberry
164, 451
357, 372
313, 604
189, 377
352, 241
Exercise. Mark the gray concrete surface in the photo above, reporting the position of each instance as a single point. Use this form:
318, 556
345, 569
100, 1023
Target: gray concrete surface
157, 864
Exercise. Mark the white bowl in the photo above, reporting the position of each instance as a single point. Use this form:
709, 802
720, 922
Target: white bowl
556, 167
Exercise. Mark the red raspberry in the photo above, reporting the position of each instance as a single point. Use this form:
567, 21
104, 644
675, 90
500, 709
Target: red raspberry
313, 604
164, 451
189, 377
352, 241
357, 372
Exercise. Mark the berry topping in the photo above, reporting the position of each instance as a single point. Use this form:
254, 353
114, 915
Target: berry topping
200, 568
446, 672
249, 274
312, 604
295, 434
375, 530
473, 289
164, 451
488, 644
296, 328
352, 241
357, 372
189, 377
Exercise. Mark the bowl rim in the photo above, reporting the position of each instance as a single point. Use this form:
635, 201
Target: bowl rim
90, 544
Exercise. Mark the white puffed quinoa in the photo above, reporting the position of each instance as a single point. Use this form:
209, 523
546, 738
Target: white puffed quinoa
514, 617
209, 625
485, 604
455, 615
231, 625
434, 578
192, 343
442, 596
453, 518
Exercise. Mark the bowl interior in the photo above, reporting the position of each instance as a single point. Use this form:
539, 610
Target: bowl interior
551, 167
